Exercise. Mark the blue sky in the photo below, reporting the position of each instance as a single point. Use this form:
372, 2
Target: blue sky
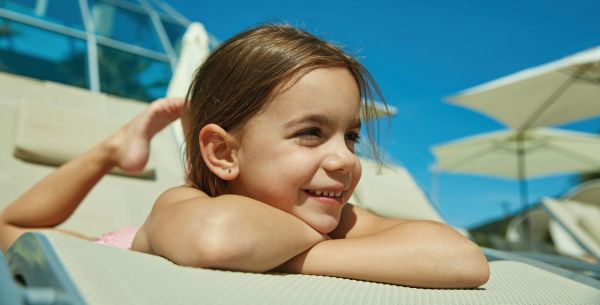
423, 51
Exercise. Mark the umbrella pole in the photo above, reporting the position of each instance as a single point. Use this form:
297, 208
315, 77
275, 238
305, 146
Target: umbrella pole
523, 188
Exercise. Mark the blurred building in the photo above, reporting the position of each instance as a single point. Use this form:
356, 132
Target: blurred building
126, 48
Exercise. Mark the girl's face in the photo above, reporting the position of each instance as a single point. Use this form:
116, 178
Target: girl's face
297, 154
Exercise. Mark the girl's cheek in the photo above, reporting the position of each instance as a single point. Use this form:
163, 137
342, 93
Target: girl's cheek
357, 172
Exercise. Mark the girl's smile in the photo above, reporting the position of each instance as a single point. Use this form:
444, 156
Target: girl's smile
297, 154
326, 197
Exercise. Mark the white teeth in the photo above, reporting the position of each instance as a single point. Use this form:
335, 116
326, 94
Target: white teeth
328, 194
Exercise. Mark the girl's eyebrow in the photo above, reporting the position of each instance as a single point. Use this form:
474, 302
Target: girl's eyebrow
317, 119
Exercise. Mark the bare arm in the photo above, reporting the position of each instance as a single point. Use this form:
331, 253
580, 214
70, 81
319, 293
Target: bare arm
226, 232
410, 253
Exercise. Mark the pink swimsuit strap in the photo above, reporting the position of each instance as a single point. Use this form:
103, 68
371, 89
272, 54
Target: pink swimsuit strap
122, 238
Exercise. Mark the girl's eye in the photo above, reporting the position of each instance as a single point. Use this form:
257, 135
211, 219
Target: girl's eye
309, 137
353, 136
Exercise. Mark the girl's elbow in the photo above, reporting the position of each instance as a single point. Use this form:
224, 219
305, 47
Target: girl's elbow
467, 265
475, 270
209, 241
481, 277
476, 277
218, 252
218, 246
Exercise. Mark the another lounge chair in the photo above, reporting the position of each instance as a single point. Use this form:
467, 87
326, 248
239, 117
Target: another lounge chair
587, 192
530, 232
580, 220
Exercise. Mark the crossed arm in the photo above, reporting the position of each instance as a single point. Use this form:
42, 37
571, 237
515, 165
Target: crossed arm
411, 253
238, 233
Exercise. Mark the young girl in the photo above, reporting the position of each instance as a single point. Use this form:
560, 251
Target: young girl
271, 122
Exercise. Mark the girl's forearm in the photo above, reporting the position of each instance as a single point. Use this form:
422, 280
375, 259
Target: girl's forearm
417, 254
230, 232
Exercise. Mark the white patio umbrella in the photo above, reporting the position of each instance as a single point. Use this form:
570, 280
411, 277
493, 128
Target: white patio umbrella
382, 110
521, 155
558, 92
194, 50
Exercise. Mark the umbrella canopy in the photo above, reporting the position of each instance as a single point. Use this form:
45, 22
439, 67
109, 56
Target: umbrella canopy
382, 110
194, 50
558, 92
518, 155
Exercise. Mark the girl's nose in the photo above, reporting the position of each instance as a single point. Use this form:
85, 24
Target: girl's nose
340, 159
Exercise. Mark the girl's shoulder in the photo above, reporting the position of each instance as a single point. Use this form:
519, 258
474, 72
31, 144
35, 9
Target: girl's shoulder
178, 194
172, 199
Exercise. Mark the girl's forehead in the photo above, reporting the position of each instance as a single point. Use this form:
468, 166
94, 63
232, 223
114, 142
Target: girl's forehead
320, 86
330, 93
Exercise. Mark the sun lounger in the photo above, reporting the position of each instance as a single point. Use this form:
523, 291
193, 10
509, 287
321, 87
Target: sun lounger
87, 273
537, 245
529, 232
44, 124
580, 220
571, 216
587, 192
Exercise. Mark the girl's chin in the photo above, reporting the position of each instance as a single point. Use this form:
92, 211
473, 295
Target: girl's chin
324, 226
321, 221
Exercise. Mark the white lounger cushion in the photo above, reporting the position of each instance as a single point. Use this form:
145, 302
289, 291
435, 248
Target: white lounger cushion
51, 135
106, 275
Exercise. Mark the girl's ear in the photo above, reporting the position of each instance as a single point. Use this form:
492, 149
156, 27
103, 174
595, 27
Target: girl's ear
219, 149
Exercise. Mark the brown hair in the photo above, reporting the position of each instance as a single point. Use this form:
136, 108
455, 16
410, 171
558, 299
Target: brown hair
243, 74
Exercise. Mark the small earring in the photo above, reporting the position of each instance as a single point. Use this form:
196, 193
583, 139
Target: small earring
228, 170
